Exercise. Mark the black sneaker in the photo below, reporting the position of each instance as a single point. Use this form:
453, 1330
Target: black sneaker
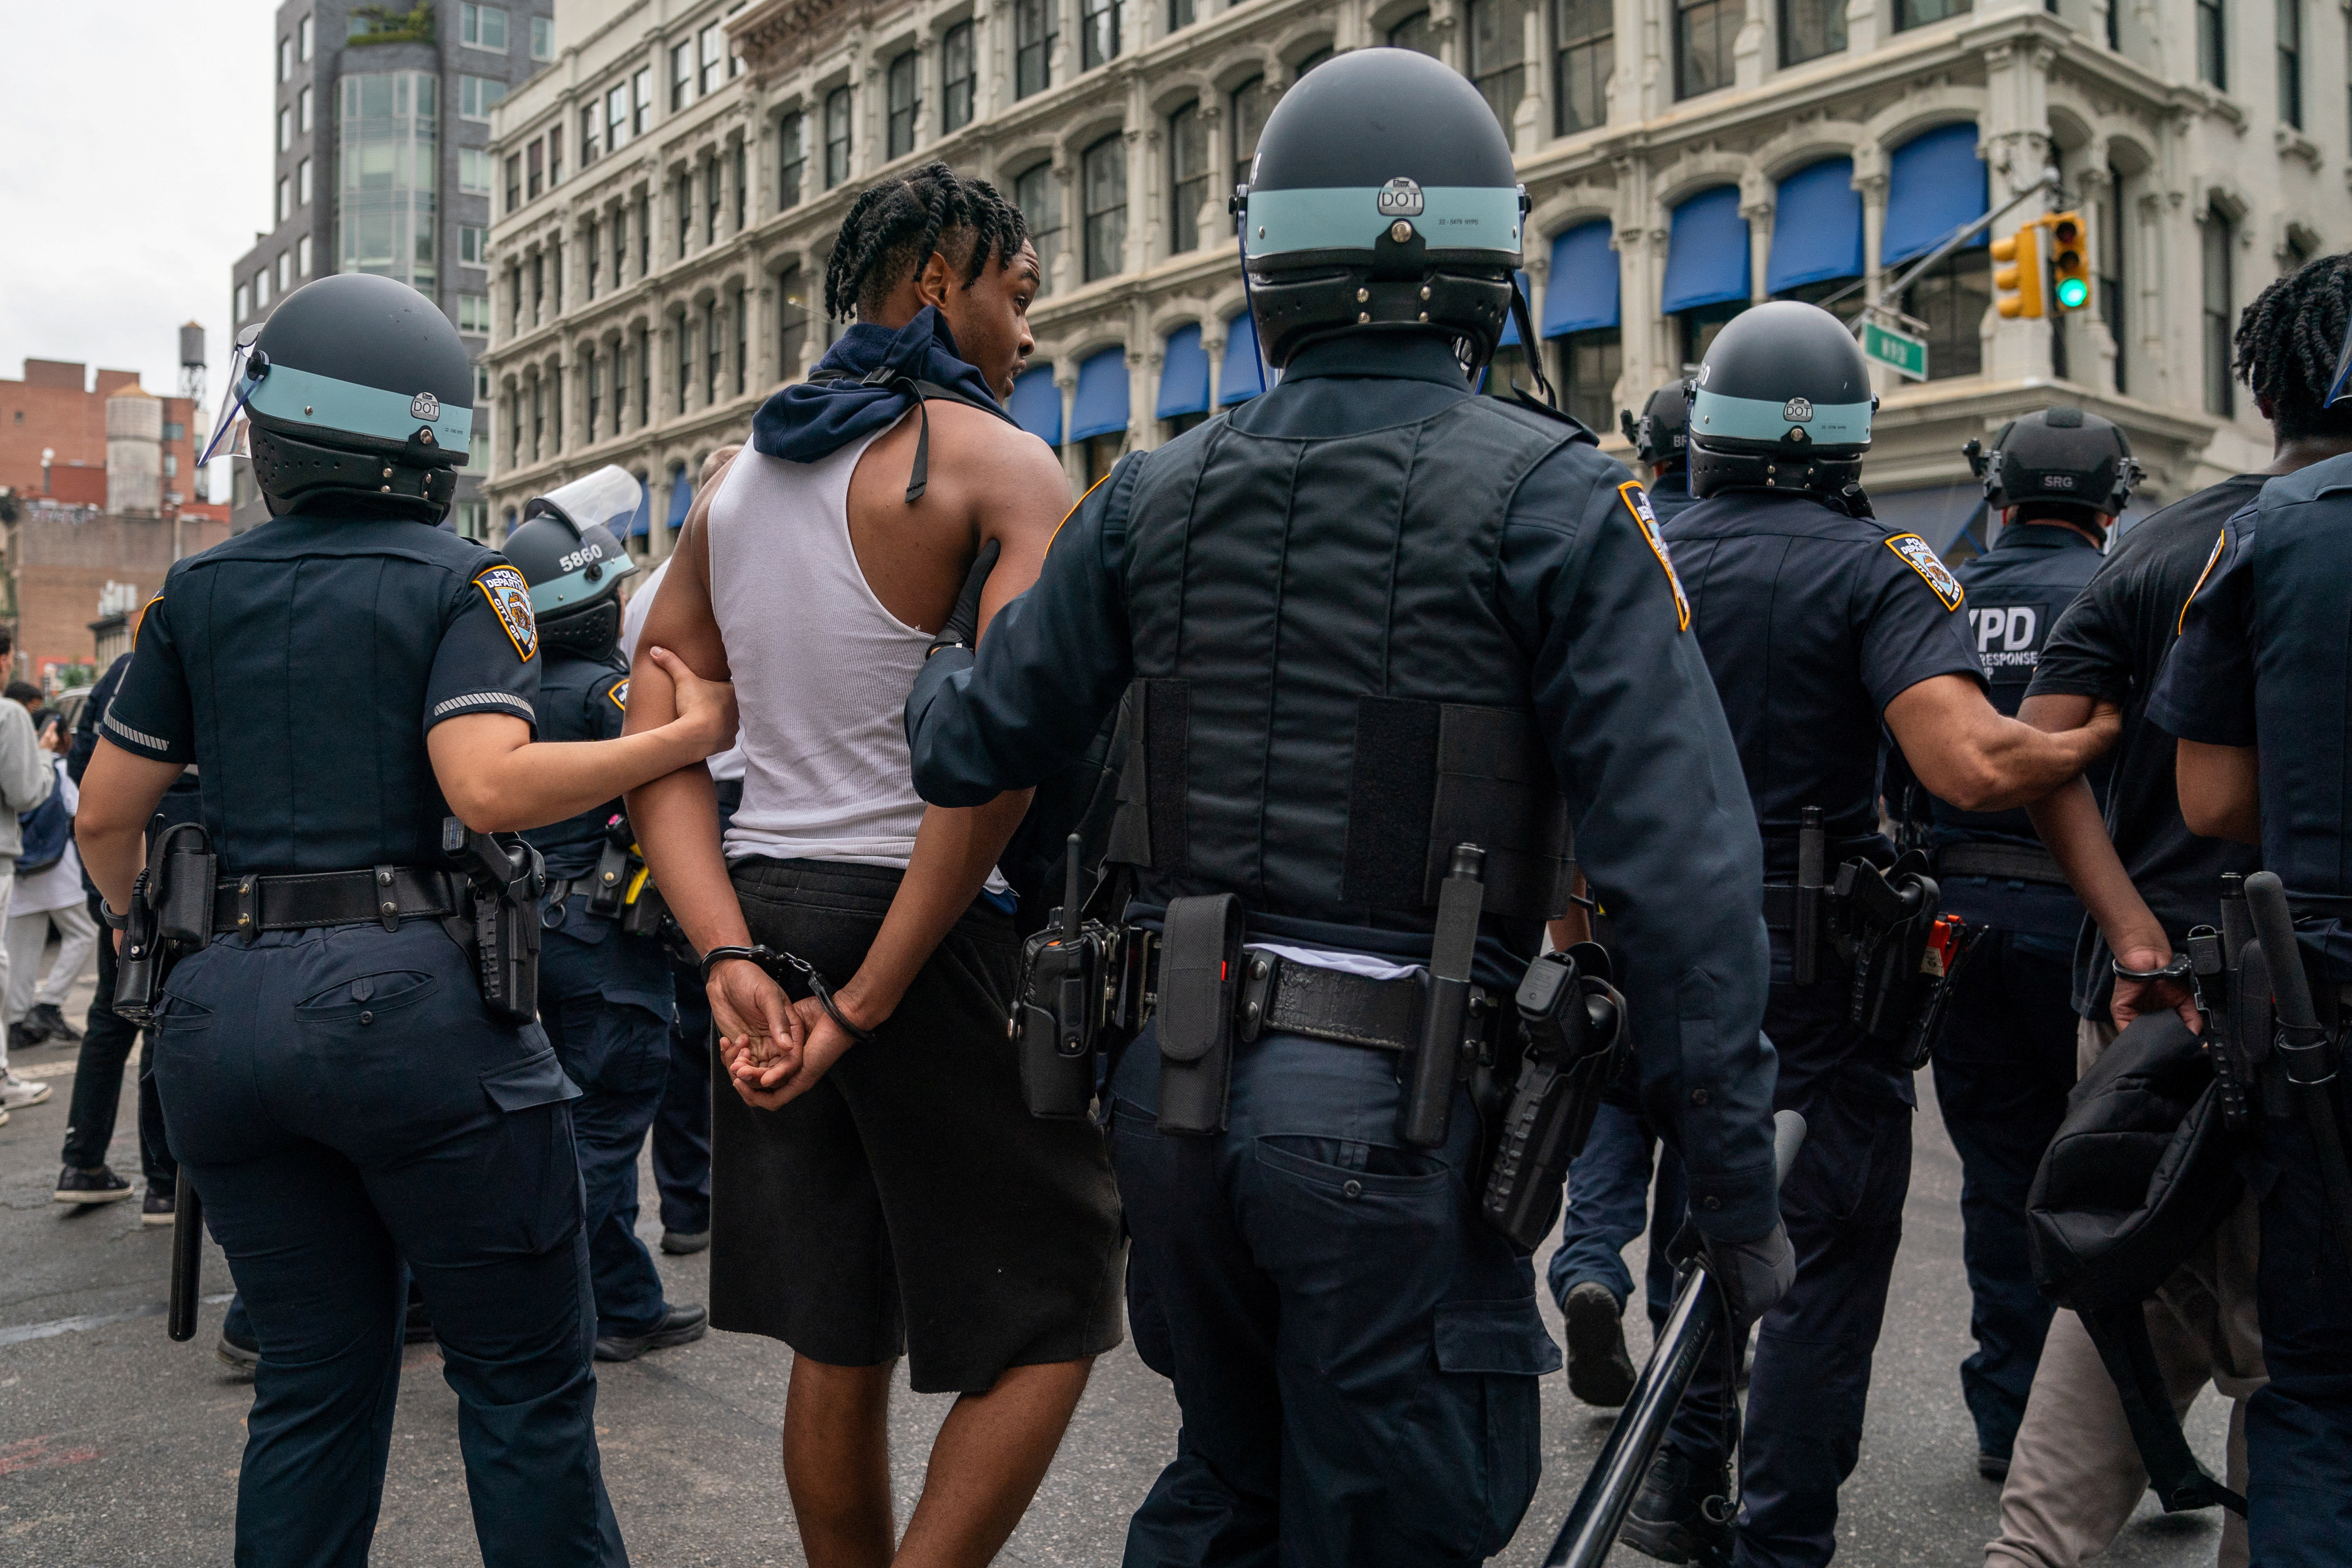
98, 1185
1993, 1467
1683, 1511
1599, 1372
679, 1243
159, 1206
51, 1024
683, 1326
239, 1356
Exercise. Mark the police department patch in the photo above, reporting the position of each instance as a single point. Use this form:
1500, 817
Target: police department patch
2222, 540
510, 596
619, 693
1921, 557
1637, 501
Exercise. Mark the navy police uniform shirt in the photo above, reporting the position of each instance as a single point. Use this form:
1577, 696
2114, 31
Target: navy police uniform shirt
1670, 494
2017, 592
306, 717
1813, 622
2263, 661
1652, 783
580, 699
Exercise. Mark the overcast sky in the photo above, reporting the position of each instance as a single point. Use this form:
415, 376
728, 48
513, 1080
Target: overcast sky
137, 169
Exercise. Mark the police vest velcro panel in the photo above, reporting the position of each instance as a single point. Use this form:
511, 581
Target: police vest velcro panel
1327, 698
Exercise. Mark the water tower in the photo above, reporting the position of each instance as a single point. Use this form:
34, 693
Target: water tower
191, 365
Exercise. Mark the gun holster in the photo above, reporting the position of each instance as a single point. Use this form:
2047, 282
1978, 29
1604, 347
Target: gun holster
1889, 917
504, 880
1571, 1022
1200, 968
170, 915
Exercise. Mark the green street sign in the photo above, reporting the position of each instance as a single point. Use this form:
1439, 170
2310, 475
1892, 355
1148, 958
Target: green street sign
1900, 352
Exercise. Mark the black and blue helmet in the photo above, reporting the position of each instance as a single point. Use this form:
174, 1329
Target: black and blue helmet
1383, 195
567, 548
1782, 400
356, 388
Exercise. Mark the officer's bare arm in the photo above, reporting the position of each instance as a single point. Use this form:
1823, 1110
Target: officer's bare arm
2072, 829
119, 793
2220, 791
498, 779
1967, 753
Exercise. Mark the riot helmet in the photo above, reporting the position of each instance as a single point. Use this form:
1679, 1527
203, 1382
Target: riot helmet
356, 393
1782, 402
1659, 435
2060, 461
567, 548
1382, 196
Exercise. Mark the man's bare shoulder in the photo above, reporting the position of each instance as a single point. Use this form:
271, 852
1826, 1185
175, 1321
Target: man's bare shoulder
988, 441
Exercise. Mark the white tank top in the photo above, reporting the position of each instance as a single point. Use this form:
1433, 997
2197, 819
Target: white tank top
821, 670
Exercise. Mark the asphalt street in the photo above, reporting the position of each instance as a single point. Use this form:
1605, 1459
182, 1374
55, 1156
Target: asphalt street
120, 1447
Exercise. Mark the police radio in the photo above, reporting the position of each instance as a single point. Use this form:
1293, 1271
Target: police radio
1570, 1016
1064, 1004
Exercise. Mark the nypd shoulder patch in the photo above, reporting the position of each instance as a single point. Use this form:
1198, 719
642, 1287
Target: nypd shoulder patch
1920, 556
1637, 501
510, 596
2220, 543
619, 692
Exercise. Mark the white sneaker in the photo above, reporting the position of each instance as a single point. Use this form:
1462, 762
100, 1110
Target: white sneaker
4, 1118
14, 1091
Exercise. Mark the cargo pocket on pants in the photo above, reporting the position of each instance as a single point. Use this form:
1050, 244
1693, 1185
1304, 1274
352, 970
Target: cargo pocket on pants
1491, 1353
528, 1177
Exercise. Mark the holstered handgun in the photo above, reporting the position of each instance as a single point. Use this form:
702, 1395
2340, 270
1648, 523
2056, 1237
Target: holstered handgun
1569, 1018
1064, 1004
1888, 919
2209, 969
506, 878
1428, 1107
170, 915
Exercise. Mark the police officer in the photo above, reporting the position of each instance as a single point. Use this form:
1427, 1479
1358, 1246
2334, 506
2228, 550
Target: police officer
345, 678
2056, 479
1818, 624
1318, 602
2259, 691
604, 994
1661, 442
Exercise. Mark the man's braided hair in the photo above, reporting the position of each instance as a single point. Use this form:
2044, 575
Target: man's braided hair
2288, 341
893, 229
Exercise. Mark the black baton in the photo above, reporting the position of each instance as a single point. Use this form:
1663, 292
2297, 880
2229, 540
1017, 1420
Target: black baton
2305, 1046
187, 1258
1429, 1100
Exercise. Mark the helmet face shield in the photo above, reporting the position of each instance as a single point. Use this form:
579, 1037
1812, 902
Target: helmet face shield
608, 498
245, 369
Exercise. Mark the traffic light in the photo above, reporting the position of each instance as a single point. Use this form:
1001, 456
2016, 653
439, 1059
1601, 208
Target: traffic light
2070, 261
2017, 273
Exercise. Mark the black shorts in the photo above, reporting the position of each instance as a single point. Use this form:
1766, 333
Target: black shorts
909, 1203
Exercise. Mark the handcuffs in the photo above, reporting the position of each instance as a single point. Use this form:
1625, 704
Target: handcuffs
2179, 969
769, 959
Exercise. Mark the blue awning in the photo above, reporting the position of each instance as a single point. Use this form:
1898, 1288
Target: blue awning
681, 496
1935, 184
1816, 228
1707, 259
1581, 295
1183, 375
1511, 321
1242, 375
1036, 404
1101, 407
640, 523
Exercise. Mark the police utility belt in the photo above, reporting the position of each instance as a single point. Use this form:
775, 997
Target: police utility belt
620, 889
1089, 986
180, 903
1901, 956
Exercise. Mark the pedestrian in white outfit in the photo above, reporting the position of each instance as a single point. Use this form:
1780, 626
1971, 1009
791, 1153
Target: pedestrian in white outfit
27, 774
51, 897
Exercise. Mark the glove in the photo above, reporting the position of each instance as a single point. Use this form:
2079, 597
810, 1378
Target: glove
962, 627
1752, 1275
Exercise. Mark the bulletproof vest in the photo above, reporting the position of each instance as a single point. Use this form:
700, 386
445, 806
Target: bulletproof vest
572, 691
1326, 699
2301, 561
2016, 592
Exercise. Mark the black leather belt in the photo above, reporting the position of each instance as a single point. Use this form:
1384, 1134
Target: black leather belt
388, 894
1281, 996
1781, 905
2001, 862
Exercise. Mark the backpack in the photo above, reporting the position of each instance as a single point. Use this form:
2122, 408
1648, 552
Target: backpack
47, 829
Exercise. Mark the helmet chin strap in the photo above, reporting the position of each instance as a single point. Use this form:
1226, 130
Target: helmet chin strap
1527, 343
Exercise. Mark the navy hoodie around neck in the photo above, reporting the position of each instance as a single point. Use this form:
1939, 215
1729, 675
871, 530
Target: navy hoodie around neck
812, 419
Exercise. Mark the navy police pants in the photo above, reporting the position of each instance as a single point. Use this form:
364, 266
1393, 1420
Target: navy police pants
606, 1000
342, 1102
682, 1129
2299, 1424
1610, 1201
1354, 1352
2003, 1069
1843, 1203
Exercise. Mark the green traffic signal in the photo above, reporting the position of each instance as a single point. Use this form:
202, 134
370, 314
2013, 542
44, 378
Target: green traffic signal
2074, 293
